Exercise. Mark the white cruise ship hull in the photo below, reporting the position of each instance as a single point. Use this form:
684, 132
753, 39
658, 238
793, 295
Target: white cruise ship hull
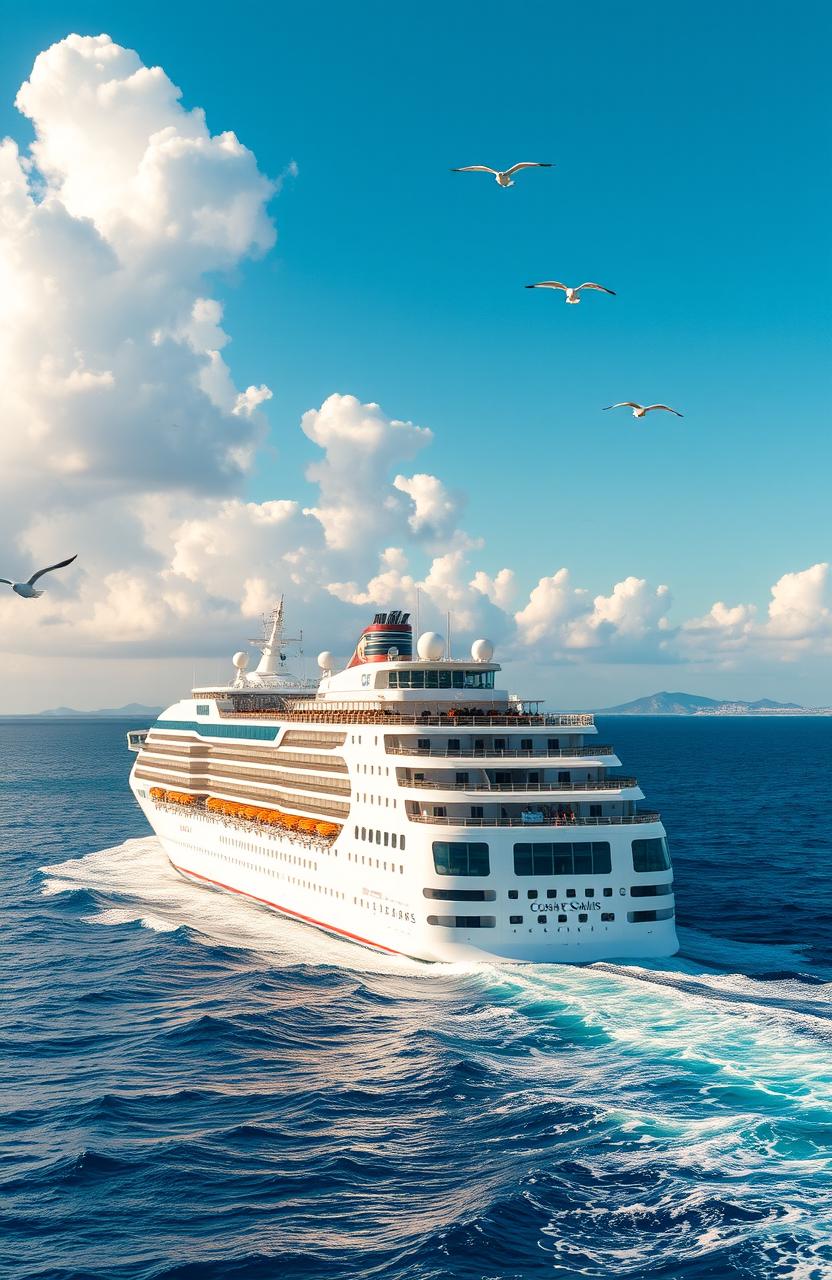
386, 909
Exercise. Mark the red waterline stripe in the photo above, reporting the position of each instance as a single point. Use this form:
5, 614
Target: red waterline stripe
344, 933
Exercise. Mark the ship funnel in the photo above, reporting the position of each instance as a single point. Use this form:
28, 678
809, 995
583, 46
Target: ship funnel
386, 631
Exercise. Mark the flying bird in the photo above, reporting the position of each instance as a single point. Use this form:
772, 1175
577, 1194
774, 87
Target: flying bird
571, 293
503, 177
27, 589
639, 410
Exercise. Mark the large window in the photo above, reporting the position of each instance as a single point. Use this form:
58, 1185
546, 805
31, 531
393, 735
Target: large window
438, 679
460, 858
647, 917
651, 890
461, 895
563, 859
464, 922
651, 855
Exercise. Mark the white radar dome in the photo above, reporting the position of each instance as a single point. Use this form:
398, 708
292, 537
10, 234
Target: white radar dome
482, 651
430, 647
240, 660
326, 660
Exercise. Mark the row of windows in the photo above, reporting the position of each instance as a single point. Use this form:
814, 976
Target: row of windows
489, 922
441, 680
364, 798
606, 918
567, 893
366, 861
274, 874
292, 858
380, 837
581, 858
585, 857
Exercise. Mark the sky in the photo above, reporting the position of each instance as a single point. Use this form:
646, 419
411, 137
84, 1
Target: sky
255, 336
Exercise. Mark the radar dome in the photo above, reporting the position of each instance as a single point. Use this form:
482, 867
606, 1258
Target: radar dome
431, 646
326, 660
240, 660
482, 651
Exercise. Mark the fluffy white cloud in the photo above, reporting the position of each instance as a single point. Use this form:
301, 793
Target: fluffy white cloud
126, 438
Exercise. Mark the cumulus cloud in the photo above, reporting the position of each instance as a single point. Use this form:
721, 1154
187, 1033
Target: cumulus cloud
127, 438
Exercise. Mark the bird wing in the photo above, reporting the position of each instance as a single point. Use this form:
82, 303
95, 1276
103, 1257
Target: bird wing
663, 406
590, 284
60, 565
475, 168
528, 164
547, 284
623, 404
11, 584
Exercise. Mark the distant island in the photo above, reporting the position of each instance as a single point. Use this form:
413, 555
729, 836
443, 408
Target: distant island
691, 704
128, 711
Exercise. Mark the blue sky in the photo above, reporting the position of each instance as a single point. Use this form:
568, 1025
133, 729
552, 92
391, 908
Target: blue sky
691, 146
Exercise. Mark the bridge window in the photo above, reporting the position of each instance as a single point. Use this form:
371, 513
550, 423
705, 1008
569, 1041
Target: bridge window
563, 859
651, 855
460, 858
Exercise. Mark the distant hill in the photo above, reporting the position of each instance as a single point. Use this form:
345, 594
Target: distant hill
690, 704
126, 712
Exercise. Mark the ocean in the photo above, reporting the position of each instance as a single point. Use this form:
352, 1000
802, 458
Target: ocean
195, 1089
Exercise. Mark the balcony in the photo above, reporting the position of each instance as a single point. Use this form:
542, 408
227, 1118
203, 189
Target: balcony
361, 713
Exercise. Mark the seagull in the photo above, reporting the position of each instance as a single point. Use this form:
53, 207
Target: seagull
503, 177
571, 293
639, 410
27, 589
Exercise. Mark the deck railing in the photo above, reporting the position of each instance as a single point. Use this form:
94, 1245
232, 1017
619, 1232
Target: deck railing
501, 788
390, 718
531, 826
513, 753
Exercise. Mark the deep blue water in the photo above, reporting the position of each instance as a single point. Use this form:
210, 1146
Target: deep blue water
193, 1088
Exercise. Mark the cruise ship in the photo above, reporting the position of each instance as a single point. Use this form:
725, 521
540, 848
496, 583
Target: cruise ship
408, 804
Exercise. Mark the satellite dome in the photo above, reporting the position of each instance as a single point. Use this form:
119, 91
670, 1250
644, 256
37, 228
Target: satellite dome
326, 660
482, 651
431, 646
240, 660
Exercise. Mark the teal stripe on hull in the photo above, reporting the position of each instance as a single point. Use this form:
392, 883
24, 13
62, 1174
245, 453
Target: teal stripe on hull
260, 732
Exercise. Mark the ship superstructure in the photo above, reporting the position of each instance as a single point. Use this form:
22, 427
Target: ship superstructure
407, 803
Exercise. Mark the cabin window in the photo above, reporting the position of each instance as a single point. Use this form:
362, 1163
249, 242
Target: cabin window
460, 858
515, 919
651, 890
202, 709
651, 855
554, 744
563, 859
454, 744
393, 840
525, 744
462, 779
561, 919
423, 744
607, 916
